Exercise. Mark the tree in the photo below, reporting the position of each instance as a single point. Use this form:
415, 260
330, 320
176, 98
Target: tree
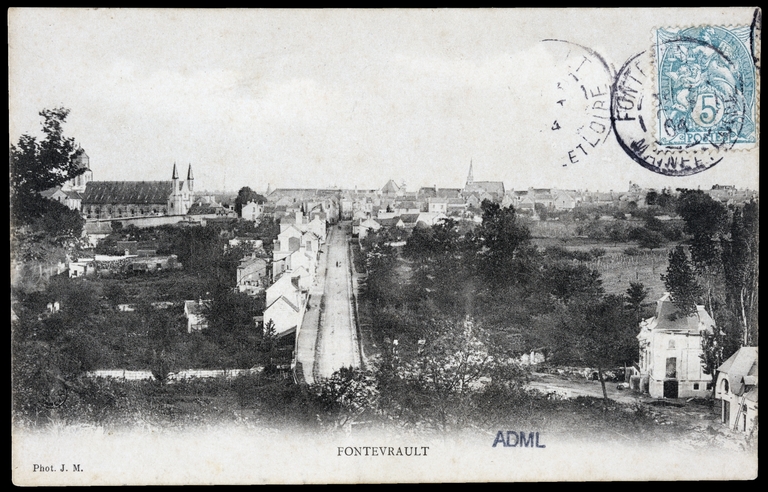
680, 281
636, 294
231, 326
651, 197
740, 267
599, 334
566, 282
59, 221
501, 235
349, 395
650, 239
706, 220
37, 166
442, 377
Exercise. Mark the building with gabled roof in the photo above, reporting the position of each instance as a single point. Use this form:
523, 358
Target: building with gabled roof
670, 352
285, 315
122, 199
736, 388
194, 312
391, 189
494, 188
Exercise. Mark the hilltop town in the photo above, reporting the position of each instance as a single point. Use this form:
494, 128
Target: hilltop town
437, 307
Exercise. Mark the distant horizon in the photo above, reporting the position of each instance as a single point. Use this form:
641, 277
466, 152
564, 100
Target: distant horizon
333, 97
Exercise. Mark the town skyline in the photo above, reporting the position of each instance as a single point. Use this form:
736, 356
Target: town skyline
313, 99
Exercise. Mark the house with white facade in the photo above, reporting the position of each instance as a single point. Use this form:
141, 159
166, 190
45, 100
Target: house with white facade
670, 352
736, 388
252, 275
286, 316
285, 286
252, 211
286, 303
431, 218
193, 310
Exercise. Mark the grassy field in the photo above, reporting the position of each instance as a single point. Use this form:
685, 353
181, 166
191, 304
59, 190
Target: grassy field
618, 269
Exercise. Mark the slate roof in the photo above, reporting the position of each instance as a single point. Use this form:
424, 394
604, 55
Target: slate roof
285, 300
741, 365
204, 208
390, 187
488, 186
449, 192
668, 319
127, 192
196, 307
409, 218
389, 222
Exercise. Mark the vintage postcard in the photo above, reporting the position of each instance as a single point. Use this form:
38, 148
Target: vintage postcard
383, 246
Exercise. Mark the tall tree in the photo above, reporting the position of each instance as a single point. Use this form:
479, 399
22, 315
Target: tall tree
740, 266
501, 236
36, 166
600, 334
706, 220
680, 281
636, 294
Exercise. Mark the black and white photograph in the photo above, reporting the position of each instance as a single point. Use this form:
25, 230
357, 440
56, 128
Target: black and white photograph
331, 246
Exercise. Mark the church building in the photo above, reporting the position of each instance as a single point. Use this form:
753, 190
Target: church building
482, 189
70, 192
123, 199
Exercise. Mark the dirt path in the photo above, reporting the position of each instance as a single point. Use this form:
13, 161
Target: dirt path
337, 344
569, 388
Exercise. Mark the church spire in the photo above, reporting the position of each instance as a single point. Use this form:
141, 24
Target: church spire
190, 179
470, 178
175, 172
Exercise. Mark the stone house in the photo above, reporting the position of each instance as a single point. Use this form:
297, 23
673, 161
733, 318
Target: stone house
193, 310
670, 352
736, 388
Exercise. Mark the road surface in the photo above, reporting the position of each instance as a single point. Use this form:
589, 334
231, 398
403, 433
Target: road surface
337, 343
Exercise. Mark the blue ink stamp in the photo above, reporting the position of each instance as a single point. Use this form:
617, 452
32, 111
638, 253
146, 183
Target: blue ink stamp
707, 91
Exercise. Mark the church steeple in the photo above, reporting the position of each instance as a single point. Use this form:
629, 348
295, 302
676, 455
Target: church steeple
175, 172
470, 178
190, 179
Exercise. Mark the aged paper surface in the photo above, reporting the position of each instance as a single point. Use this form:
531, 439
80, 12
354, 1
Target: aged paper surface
350, 99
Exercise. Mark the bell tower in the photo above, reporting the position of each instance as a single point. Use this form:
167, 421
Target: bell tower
190, 180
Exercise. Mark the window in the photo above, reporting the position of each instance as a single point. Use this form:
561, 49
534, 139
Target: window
695, 386
671, 344
725, 386
671, 367
709, 386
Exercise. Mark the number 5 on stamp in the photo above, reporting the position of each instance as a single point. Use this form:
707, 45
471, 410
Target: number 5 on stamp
706, 83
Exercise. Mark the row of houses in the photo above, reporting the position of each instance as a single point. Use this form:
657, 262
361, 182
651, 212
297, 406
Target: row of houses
362, 227
128, 263
295, 257
110, 200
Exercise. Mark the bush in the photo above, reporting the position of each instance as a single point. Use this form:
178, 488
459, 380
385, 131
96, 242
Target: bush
597, 252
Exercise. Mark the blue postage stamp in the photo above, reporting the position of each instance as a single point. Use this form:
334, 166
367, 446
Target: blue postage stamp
707, 89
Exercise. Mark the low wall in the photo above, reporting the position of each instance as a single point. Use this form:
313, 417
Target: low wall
155, 220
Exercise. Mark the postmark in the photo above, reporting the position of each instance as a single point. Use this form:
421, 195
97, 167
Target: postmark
706, 87
578, 101
679, 108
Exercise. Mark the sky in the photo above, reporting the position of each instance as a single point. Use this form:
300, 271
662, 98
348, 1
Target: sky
342, 98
